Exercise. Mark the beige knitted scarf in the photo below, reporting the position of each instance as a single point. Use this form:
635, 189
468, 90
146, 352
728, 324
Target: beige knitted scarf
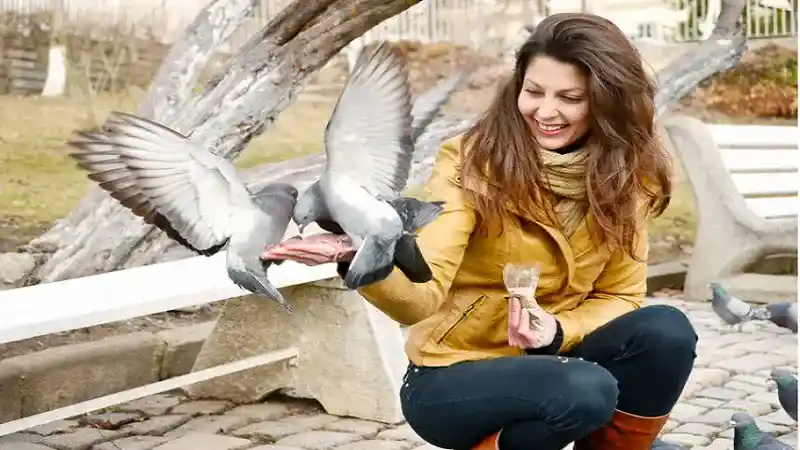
566, 176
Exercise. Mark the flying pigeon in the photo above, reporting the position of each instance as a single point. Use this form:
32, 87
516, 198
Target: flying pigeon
747, 435
732, 310
787, 390
369, 149
193, 195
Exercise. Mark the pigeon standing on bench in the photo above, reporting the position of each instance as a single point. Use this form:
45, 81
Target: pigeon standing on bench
193, 195
730, 309
787, 390
369, 149
747, 435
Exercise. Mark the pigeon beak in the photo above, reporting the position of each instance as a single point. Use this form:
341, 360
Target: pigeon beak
731, 422
301, 228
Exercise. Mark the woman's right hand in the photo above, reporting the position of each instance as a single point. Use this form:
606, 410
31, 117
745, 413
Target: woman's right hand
313, 250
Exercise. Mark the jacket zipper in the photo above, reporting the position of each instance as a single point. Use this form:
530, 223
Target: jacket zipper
463, 317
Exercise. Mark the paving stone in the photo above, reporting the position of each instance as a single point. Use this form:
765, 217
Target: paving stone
377, 445
722, 393
23, 446
154, 405
790, 439
684, 411
686, 439
79, 438
318, 440
132, 443
720, 444
15, 438
716, 417
751, 362
779, 418
706, 402
355, 426
269, 431
669, 426
203, 441
401, 433
110, 420
262, 412
769, 398
766, 427
751, 379
275, 447
201, 407
709, 377
208, 425
58, 426
156, 425
433, 447
697, 429
752, 408
745, 387
311, 421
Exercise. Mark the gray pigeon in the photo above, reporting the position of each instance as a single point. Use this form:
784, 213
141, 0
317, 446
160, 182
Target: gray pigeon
311, 208
782, 314
369, 149
193, 195
787, 390
747, 435
731, 310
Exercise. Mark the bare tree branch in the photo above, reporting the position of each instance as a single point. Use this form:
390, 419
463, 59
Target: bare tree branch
261, 81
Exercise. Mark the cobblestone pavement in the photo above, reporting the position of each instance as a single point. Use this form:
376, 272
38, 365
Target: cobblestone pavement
730, 375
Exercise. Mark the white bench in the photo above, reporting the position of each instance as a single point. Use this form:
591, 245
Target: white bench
336, 347
745, 184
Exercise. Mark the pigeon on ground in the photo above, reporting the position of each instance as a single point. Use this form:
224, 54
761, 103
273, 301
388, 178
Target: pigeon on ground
193, 195
732, 310
747, 435
369, 149
787, 390
782, 314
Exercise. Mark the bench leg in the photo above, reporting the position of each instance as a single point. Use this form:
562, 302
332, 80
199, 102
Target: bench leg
351, 354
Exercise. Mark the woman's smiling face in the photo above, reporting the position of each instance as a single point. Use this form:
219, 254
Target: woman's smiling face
554, 100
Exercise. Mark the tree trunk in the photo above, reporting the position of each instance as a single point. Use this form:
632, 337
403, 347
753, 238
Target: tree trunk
260, 81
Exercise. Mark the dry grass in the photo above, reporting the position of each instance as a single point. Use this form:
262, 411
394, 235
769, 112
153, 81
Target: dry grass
40, 183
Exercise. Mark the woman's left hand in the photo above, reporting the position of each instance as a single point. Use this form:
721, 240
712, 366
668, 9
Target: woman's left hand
529, 327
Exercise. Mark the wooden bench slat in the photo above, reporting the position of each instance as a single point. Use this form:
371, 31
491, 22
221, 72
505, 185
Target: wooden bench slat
750, 184
760, 160
754, 136
71, 304
774, 207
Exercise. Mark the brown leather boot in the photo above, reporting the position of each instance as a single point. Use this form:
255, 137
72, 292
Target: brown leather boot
489, 442
624, 432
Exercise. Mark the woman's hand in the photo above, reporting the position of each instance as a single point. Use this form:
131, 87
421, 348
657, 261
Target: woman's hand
312, 250
529, 327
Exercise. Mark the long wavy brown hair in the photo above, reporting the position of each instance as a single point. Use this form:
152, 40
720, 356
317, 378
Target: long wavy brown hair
625, 161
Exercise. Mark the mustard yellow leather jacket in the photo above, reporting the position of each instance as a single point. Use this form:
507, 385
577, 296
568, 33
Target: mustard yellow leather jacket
461, 313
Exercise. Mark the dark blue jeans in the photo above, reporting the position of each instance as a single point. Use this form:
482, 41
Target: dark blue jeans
637, 363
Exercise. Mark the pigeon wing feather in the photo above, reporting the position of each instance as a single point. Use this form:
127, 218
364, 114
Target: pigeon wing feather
368, 137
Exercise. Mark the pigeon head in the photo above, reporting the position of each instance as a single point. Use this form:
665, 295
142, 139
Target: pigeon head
282, 194
782, 377
742, 421
308, 209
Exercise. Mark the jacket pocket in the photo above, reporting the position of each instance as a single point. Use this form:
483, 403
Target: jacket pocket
466, 314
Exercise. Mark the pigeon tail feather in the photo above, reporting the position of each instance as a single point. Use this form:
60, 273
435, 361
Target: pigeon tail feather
372, 262
255, 284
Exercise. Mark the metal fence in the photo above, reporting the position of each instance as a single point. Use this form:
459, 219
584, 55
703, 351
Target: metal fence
486, 24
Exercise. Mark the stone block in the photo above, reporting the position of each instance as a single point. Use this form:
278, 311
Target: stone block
71, 374
11, 378
351, 354
182, 346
